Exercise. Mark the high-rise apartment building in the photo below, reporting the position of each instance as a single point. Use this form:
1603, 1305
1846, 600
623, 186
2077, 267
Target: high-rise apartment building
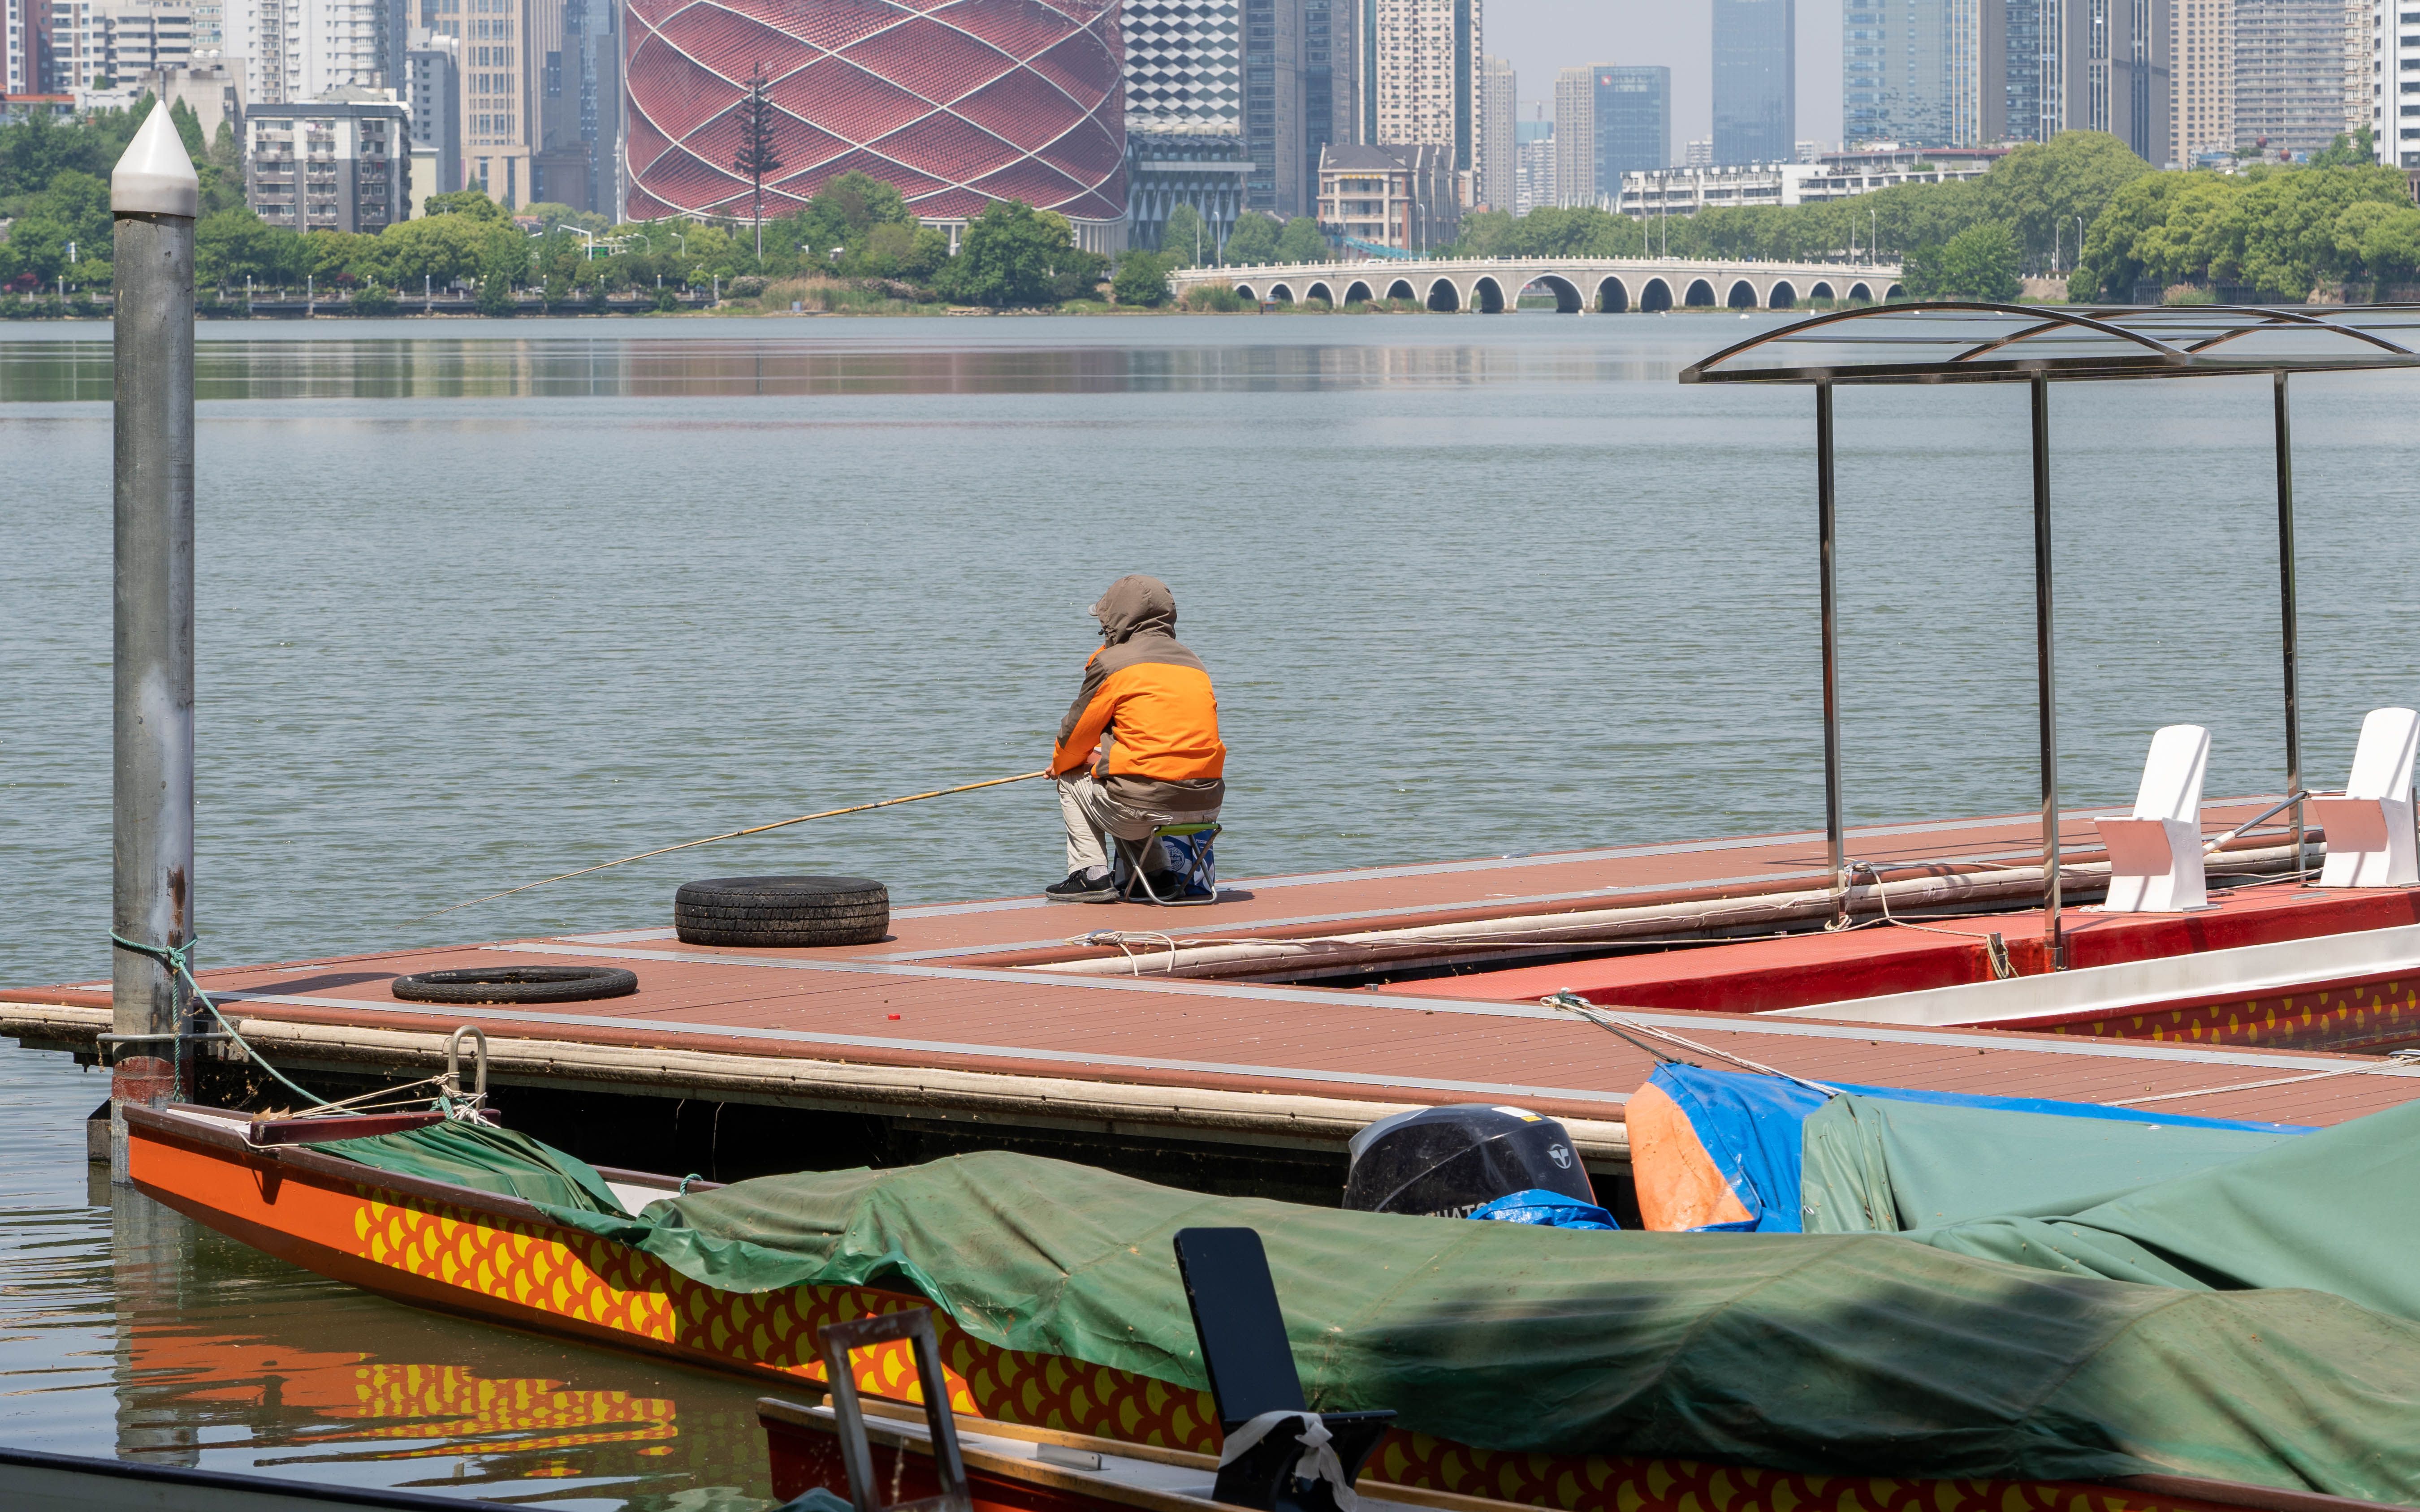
2289, 73
341, 163
1420, 75
1756, 83
577, 59
1499, 122
2021, 82
2201, 79
1273, 106
2393, 52
1633, 116
1325, 64
299, 50
1925, 73
1534, 176
1575, 136
2093, 65
433, 94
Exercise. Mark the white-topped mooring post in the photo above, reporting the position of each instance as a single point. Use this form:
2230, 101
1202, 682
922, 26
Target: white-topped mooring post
153, 198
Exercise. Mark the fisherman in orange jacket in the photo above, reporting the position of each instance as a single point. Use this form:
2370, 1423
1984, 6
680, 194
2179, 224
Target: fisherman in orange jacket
1139, 745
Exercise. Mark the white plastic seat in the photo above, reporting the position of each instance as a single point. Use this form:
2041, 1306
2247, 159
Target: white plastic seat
2370, 823
2155, 856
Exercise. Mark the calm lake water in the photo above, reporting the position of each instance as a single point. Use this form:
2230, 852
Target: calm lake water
482, 602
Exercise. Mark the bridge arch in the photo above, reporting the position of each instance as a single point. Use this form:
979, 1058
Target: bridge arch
1862, 293
1566, 293
1613, 297
1821, 291
1244, 291
1486, 295
1444, 297
1656, 295
1358, 292
1782, 296
1320, 291
1894, 292
1701, 295
1742, 296
1401, 289
1281, 292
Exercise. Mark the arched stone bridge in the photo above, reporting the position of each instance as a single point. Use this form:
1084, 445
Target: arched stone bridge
1608, 285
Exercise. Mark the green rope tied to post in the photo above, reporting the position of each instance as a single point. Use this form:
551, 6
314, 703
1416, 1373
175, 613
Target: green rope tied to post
177, 959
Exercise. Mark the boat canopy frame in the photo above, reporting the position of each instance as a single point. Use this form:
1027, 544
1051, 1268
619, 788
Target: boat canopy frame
1965, 341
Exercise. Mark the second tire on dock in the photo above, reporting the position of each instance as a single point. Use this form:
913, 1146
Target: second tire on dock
782, 911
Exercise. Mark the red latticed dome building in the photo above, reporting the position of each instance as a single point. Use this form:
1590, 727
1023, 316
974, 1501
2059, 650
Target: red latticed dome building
956, 102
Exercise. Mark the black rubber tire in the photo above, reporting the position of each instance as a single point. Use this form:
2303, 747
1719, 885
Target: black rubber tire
782, 912
516, 984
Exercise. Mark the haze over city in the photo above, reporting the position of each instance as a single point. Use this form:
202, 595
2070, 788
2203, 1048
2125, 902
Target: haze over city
1538, 37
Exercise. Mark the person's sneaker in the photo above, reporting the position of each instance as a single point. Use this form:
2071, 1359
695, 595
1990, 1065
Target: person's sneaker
1081, 888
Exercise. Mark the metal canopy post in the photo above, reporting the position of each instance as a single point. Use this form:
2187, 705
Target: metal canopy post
2286, 616
2045, 671
1835, 836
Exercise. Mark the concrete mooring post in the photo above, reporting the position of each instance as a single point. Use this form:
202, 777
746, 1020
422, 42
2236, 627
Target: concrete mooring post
153, 198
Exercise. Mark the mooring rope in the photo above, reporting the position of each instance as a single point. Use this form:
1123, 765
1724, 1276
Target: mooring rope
754, 830
1614, 1024
177, 959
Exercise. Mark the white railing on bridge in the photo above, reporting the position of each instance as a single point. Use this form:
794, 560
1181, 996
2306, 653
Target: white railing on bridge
1604, 283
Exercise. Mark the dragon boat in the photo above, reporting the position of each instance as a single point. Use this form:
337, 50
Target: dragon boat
1585, 1372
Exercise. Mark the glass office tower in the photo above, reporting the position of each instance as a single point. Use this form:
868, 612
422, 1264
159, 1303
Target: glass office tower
1756, 83
1634, 125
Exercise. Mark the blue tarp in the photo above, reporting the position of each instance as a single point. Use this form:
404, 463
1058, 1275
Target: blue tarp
1753, 1128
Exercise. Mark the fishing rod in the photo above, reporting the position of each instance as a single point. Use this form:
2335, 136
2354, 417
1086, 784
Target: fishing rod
755, 829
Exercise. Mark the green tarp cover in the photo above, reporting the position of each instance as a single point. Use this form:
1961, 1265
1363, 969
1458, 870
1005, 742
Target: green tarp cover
487, 1159
1853, 1353
1881, 1165
2332, 1210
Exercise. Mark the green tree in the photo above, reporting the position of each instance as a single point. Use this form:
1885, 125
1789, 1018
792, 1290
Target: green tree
1486, 234
1187, 237
234, 244
1302, 241
474, 203
1013, 254
504, 265
2041, 188
2358, 150
1141, 279
1979, 263
1253, 241
758, 153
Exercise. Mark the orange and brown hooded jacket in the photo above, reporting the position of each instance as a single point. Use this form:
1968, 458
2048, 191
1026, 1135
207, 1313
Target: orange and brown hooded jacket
1154, 700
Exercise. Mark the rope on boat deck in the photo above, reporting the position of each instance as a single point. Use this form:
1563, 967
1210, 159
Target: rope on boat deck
1995, 946
178, 960
1622, 1028
2398, 1063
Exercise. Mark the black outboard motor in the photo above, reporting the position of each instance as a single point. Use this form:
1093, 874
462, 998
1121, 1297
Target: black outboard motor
1445, 1163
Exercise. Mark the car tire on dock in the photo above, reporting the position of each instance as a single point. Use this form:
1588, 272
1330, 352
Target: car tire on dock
516, 984
782, 911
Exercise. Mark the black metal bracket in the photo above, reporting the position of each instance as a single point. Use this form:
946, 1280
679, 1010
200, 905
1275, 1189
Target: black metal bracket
915, 1327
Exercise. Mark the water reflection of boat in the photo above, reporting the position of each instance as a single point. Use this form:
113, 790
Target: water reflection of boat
32, 1481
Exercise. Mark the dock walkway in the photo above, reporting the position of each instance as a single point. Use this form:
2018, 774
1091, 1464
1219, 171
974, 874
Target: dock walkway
942, 1022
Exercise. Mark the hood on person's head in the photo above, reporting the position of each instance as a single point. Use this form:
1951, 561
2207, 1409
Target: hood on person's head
1133, 604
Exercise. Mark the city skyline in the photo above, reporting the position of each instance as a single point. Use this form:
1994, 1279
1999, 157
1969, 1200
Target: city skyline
1540, 38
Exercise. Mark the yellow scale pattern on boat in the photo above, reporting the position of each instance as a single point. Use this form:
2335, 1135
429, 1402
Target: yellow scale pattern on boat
614, 1286
2363, 1014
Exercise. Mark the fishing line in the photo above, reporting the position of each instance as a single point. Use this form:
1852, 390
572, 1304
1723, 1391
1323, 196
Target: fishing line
754, 829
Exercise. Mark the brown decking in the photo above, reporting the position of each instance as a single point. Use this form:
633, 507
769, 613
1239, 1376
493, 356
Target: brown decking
920, 1000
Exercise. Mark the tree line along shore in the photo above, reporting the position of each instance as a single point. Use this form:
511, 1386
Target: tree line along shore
2081, 206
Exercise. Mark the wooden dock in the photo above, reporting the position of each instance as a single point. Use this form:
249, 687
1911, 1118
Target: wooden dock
983, 1014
